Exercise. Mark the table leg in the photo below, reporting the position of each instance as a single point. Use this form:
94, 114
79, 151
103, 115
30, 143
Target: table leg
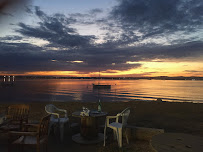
89, 127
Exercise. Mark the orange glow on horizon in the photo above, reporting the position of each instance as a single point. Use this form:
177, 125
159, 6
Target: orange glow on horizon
147, 69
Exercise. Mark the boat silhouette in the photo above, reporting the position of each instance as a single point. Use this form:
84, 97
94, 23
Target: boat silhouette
101, 86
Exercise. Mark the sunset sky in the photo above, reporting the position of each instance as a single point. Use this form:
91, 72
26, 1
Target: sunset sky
116, 37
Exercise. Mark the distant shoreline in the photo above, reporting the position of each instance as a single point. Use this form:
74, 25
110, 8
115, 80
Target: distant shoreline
109, 78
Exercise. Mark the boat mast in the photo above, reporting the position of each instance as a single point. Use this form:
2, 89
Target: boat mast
99, 77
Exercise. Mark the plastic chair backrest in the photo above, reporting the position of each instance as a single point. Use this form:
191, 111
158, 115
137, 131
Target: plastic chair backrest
50, 108
125, 114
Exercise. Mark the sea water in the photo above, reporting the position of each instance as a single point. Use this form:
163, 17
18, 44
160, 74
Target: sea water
39, 90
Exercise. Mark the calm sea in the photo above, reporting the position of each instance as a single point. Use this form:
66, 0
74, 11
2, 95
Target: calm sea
121, 90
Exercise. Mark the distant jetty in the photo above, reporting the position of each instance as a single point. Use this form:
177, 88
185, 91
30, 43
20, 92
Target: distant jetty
8, 81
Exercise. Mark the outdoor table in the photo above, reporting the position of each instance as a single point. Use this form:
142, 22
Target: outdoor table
89, 129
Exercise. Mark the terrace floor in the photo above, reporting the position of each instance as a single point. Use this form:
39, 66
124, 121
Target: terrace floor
68, 145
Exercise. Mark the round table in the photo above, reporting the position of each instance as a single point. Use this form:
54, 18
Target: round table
89, 128
177, 142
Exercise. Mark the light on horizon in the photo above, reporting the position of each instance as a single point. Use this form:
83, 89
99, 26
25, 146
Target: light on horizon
75, 61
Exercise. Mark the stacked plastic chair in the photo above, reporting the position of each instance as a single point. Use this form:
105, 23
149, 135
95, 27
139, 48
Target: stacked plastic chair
56, 119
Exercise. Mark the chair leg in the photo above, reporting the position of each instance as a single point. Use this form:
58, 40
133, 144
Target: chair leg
126, 136
69, 124
57, 133
49, 130
61, 131
46, 147
115, 136
9, 146
38, 148
105, 136
21, 148
9, 143
119, 137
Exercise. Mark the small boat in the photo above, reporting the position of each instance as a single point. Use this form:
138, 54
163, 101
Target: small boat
100, 86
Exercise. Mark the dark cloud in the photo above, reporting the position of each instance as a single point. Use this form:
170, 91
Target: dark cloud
158, 17
6, 14
173, 14
96, 11
67, 45
19, 56
28, 10
56, 30
178, 51
26, 57
13, 38
86, 18
192, 71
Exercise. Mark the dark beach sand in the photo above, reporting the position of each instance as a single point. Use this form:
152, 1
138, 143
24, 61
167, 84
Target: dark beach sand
172, 117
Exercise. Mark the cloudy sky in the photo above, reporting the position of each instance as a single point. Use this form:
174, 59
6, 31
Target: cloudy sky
115, 37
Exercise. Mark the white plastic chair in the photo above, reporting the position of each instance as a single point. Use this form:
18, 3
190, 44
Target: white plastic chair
56, 119
117, 126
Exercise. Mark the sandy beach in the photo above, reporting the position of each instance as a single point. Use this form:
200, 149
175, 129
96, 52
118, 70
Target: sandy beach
172, 117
